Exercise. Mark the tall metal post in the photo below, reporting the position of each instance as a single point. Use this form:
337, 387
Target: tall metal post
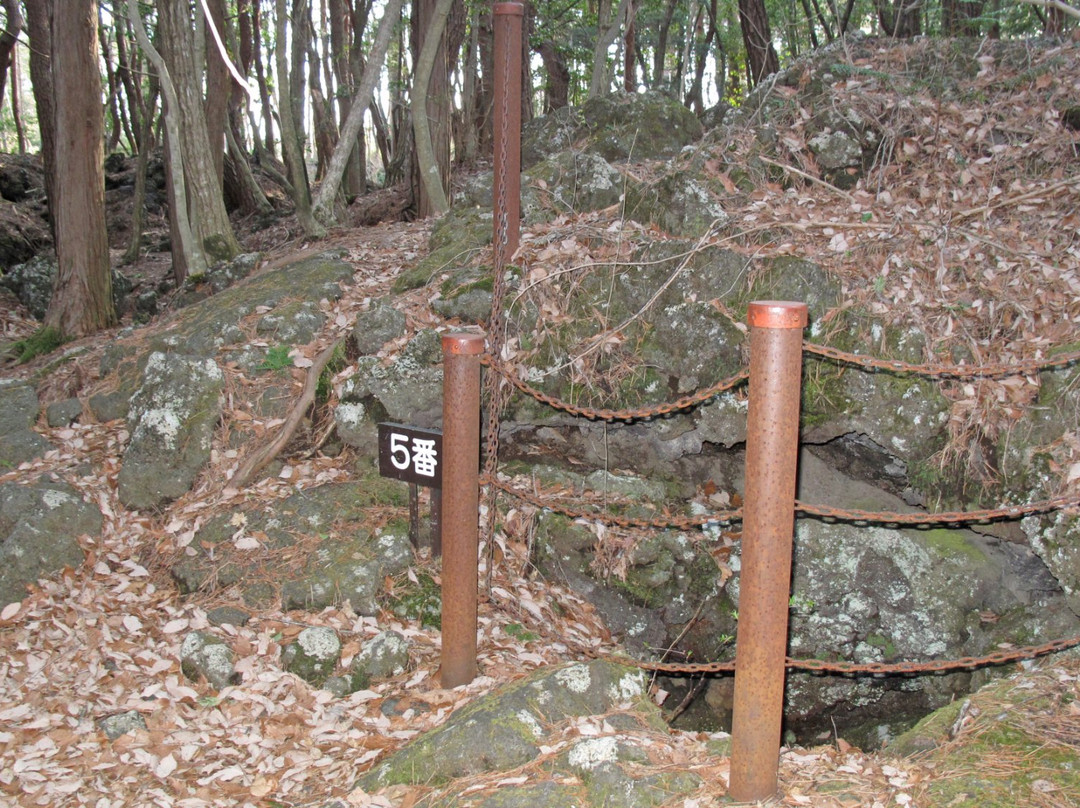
772, 448
508, 19
460, 505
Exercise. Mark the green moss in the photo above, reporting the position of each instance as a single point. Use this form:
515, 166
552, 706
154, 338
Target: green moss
324, 385
43, 341
277, 359
888, 648
419, 600
953, 543
1031, 766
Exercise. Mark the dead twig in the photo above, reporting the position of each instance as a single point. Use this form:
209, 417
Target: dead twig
258, 459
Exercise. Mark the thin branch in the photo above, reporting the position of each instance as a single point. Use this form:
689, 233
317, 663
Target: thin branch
1064, 8
256, 461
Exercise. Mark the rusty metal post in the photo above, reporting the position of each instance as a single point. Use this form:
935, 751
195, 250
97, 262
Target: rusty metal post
460, 505
772, 448
508, 19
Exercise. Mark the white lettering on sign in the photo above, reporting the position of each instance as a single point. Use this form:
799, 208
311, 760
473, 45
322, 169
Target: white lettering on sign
422, 457
424, 460
399, 451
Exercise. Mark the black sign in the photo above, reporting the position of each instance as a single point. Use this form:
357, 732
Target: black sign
411, 454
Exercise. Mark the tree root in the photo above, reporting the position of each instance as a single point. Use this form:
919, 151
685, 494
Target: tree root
262, 456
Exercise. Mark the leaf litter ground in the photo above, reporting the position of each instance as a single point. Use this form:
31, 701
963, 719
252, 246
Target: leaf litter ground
967, 227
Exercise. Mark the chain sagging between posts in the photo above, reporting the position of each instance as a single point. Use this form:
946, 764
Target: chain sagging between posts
768, 516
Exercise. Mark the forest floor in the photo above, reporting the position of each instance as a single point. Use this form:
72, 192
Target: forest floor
956, 233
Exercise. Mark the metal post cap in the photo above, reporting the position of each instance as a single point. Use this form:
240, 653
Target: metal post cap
776, 314
465, 343
514, 9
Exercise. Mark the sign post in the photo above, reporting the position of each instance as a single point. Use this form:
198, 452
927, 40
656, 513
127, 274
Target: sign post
772, 450
414, 455
461, 505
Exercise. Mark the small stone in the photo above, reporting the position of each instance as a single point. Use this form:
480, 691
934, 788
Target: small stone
228, 616
383, 656
314, 655
121, 724
63, 413
206, 656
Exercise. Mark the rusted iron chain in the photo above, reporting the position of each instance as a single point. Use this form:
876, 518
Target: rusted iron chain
942, 371
1000, 657
913, 519
593, 414
658, 523
943, 518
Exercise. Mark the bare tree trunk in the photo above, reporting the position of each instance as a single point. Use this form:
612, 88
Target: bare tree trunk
184, 52
41, 77
900, 18
557, 88
16, 107
660, 73
760, 54
433, 200
132, 88
82, 300
291, 147
138, 216
218, 88
629, 50
331, 184
260, 77
8, 37
188, 254
600, 82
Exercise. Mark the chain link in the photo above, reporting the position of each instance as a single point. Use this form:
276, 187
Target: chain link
656, 523
594, 414
843, 668
943, 371
999, 657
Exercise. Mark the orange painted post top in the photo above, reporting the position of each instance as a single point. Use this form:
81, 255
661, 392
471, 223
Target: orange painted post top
776, 314
463, 343
516, 9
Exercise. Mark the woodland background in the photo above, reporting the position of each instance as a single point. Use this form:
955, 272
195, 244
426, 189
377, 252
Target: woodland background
330, 98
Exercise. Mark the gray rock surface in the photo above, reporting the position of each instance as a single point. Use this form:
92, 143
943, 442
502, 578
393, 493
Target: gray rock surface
344, 559
383, 656
172, 418
314, 655
115, 726
206, 656
506, 728
19, 410
39, 528
377, 326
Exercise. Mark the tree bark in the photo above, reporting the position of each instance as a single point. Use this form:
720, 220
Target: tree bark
428, 87
188, 254
900, 18
219, 86
41, 77
600, 82
16, 107
82, 301
260, 77
8, 37
760, 55
184, 53
557, 88
138, 216
291, 146
331, 184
